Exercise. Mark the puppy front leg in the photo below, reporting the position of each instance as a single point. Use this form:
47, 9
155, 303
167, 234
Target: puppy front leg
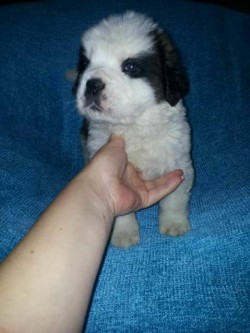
126, 231
173, 218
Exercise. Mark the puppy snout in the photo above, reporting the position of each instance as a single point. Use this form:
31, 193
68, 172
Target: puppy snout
94, 87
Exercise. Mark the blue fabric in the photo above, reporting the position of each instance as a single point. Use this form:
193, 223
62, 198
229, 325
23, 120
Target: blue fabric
196, 283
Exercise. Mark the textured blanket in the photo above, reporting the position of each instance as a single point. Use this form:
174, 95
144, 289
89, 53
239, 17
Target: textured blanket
199, 282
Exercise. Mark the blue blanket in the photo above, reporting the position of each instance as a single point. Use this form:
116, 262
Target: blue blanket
199, 282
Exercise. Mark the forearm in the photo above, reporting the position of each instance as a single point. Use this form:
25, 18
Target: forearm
46, 282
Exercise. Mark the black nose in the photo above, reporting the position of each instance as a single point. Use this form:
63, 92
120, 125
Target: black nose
94, 87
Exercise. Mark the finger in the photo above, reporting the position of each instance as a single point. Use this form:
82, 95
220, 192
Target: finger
163, 180
116, 140
159, 188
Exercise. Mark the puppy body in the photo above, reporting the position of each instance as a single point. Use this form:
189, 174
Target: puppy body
130, 83
156, 143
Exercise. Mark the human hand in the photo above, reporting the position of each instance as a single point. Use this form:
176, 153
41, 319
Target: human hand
121, 185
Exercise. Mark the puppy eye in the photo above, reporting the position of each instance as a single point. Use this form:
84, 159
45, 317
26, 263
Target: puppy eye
132, 68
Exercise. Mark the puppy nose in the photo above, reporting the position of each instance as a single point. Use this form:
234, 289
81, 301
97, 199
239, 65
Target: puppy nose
94, 86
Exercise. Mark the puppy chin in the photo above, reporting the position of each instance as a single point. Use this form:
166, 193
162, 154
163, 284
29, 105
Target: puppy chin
117, 116
92, 111
103, 111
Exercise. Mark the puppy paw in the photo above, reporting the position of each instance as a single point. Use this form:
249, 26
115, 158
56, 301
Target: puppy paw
174, 227
125, 238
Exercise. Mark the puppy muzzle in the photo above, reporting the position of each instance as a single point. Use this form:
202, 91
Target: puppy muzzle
93, 91
94, 87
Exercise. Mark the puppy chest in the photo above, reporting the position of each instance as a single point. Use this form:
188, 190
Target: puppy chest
150, 159
152, 155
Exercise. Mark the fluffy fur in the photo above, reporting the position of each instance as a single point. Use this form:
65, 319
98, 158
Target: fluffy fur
130, 82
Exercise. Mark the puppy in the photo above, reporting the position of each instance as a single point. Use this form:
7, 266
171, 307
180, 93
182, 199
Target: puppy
130, 82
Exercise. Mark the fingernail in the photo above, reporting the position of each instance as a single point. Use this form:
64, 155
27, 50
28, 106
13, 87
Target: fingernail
182, 178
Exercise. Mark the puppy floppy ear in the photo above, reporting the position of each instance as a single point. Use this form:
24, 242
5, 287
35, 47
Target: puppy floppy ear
174, 79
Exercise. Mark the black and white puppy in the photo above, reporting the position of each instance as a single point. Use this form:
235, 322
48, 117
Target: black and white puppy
130, 83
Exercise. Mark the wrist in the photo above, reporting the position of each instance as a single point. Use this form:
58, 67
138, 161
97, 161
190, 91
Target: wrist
96, 198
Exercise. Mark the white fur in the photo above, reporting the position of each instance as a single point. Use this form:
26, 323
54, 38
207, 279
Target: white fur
157, 135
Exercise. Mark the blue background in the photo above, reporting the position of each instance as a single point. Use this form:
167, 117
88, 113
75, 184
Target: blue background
199, 282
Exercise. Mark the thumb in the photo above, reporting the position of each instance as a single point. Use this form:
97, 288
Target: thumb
163, 186
116, 140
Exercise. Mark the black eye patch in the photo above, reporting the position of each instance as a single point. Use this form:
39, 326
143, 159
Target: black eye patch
146, 66
82, 65
83, 61
133, 67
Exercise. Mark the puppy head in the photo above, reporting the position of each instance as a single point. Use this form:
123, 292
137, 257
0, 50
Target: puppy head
126, 64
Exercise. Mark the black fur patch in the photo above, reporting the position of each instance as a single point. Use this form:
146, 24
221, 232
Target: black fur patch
83, 63
147, 66
161, 68
85, 129
172, 75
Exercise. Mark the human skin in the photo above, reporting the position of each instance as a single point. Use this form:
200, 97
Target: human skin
47, 281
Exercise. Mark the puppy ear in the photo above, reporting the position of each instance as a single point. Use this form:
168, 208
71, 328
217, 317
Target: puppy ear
174, 78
